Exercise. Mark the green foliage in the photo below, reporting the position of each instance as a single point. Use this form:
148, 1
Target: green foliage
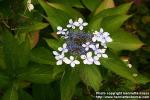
91, 76
67, 84
28, 69
11, 94
38, 56
91, 5
37, 74
12, 53
126, 41
3, 80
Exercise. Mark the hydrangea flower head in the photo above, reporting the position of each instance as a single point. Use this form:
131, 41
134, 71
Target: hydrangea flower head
81, 47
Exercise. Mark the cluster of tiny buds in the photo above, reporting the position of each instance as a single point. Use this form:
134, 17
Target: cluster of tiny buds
87, 47
30, 6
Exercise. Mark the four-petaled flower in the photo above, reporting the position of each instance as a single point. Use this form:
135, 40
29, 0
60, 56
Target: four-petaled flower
61, 30
105, 38
80, 23
71, 24
64, 48
96, 60
72, 61
87, 59
101, 53
87, 46
97, 35
58, 57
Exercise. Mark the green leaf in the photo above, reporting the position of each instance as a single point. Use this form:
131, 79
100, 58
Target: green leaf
91, 76
34, 26
68, 84
95, 21
104, 5
37, 74
43, 56
124, 41
9, 49
23, 95
56, 17
53, 43
74, 14
115, 22
2, 61
4, 80
11, 94
44, 92
15, 55
22, 54
91, 4
72, 3
142, 79
117, 66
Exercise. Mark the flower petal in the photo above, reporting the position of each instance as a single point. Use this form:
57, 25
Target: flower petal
59, 62
70, 21
65, 50
104, 55
89, 54
83, 56
76, 62
30, 7
83, 45
66, 60
96, 58
60, 48
105, 34
108, 39
97, 62
64, 29
71, 58
69, 26
72, 64
85, 24
55, 53
101, 30
59, 28
81, 27
80, 20
76, 23
64, 45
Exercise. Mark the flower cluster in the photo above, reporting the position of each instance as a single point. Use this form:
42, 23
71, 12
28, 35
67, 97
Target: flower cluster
81, 46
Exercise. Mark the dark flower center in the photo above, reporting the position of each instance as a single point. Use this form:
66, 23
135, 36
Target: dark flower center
75, 41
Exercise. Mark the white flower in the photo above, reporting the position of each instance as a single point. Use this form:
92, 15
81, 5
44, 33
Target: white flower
71, 61
130, 65
64, 48
102, 37
87, 59
29, 5
97, 36
80, 23
101, 53
105, 38
87, 46
96, 60
61, 30
71, 24
58, 57
95, 47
